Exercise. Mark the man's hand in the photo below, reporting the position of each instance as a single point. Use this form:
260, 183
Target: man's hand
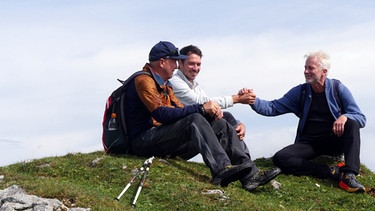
244, 91
241, 130
245, 96
213, 109
339, 125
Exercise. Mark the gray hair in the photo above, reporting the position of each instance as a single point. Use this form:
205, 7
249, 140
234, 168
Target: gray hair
322, 57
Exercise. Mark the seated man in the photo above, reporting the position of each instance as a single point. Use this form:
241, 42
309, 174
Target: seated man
329, 124
158, 124
189, 92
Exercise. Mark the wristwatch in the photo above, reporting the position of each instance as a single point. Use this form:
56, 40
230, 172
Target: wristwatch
202, 109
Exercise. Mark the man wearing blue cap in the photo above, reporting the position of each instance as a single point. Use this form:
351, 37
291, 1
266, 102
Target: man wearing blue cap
158, 124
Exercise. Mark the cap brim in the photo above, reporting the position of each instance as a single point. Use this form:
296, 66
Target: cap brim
178, 57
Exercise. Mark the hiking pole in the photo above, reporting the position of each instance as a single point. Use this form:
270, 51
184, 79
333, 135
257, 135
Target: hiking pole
149, 162
128, 185
140, 170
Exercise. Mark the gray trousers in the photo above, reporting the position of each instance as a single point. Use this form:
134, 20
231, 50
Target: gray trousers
216, 141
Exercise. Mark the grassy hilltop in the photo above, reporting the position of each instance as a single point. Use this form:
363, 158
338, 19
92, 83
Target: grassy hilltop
93, 180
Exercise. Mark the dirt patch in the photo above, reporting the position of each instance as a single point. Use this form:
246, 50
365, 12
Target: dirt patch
370, 191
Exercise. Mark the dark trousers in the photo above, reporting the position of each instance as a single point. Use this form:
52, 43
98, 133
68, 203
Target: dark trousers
296, 158
216, 141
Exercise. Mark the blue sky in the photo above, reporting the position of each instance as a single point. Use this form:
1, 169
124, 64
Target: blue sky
59, 61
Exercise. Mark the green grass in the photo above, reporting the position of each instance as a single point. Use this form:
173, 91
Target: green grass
172, 184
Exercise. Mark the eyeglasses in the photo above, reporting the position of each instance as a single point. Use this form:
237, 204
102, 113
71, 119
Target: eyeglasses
175, 52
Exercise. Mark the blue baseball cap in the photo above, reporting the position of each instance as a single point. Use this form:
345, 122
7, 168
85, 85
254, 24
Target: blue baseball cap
165, 49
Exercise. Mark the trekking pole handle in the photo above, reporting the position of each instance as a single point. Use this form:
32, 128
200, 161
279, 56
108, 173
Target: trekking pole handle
149, 161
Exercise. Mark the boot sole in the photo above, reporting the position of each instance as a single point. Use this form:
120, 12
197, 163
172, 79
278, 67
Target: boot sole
351, 190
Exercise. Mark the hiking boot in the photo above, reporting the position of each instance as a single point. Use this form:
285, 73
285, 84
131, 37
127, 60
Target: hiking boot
349, 183
334, 172
230, 174
259, 178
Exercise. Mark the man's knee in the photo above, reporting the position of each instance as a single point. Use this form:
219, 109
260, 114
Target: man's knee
276, 159
196, 123
280, 159
230, 118
221, 123
351, 125
195, 118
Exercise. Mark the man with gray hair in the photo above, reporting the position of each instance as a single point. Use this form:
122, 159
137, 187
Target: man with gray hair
329, 124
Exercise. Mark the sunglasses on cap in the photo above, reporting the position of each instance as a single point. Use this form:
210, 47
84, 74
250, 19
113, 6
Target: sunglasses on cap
174, 53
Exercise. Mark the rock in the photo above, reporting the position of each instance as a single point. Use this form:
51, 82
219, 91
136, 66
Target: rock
15, 198
95, 162
276, 185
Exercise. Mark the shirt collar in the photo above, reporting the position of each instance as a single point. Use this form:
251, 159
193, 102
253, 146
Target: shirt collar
156, 76
159, 80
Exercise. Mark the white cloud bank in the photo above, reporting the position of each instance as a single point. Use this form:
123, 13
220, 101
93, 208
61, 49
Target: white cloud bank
59, 62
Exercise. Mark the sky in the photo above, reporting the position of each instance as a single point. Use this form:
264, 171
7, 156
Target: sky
59, 61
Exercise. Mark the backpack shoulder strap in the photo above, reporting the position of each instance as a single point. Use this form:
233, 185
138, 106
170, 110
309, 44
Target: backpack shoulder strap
336, 91
303, 98
119, 91
140, 72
